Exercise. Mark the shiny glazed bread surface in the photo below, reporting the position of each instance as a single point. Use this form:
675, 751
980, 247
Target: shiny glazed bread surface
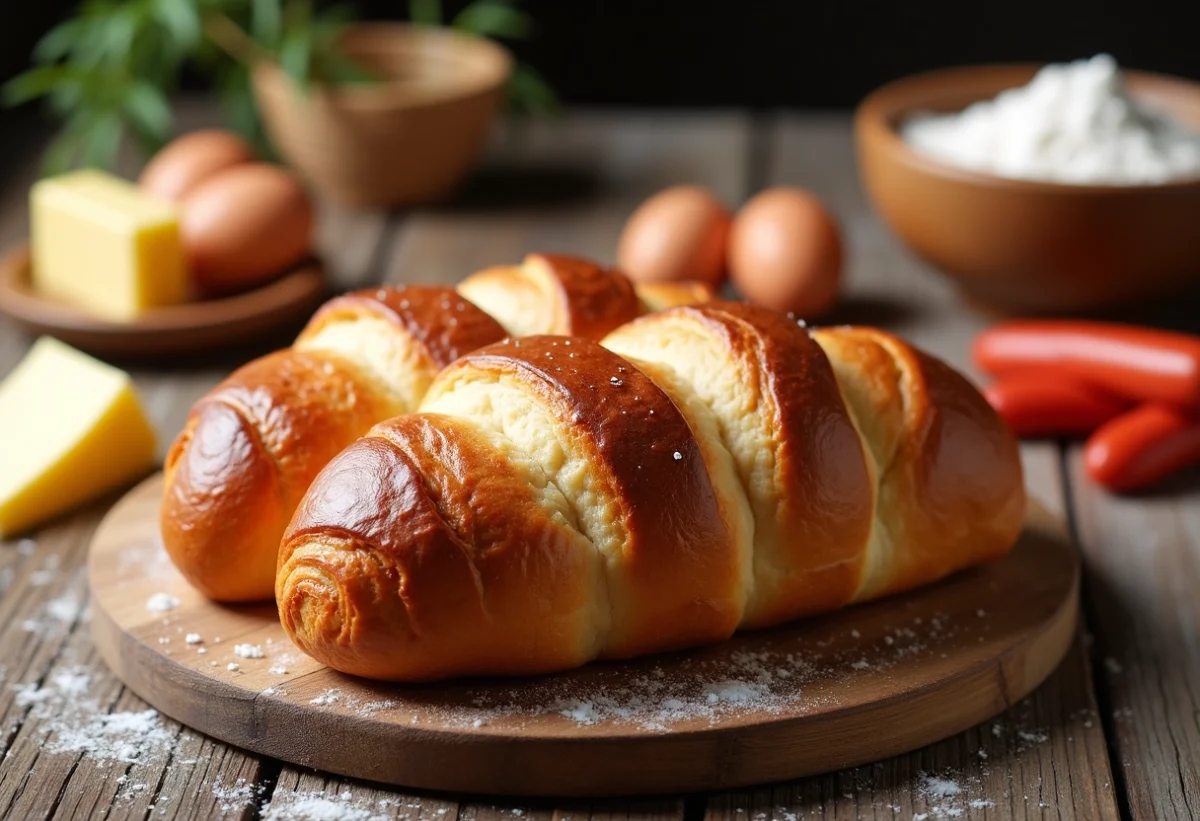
253, 444
707, 468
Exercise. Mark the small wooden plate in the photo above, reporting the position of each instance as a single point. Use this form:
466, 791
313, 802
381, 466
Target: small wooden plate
855, 686
192, 327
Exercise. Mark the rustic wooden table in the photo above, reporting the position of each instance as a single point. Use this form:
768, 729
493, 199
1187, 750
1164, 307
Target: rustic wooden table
1114, 733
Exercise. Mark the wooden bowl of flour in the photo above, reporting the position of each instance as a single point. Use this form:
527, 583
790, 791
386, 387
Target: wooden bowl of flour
1021, 246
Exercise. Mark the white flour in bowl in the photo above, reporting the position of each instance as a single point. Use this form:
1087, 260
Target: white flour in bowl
1073, 123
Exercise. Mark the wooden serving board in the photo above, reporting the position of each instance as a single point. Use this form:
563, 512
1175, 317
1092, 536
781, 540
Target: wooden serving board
859, 685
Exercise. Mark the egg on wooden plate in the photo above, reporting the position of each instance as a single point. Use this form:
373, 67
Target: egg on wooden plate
786, 253
189, 160
244, 225
678, 234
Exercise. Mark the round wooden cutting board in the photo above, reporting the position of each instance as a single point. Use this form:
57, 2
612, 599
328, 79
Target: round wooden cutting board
862, 684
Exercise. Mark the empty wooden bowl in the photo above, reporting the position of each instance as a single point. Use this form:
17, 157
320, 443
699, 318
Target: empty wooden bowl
1029, 247
407, 139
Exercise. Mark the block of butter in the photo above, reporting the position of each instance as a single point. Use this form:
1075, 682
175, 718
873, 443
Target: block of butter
71, 428
101, 243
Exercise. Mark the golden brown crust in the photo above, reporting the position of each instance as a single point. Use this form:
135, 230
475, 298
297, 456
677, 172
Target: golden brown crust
245, 458
594, 299
554, 294
951, 492
254, 443
218, 448
470, 573
646, 460
812, 513
835, 466
363, 357
444, 324
659, 296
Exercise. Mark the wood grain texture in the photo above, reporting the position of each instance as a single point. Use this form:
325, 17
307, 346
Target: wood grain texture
60, 761
1143, 559
852, 688
567, 187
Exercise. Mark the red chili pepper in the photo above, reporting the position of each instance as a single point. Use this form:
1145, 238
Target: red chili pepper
1143, 446
1035, 406
1141, 364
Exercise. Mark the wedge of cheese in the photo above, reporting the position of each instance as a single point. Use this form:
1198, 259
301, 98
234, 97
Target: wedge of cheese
103, 244
71, 428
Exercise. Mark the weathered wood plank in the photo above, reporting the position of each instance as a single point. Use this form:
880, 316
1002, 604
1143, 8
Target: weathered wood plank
301, 794
568, 187
1044, 756
1143, 559
77, 743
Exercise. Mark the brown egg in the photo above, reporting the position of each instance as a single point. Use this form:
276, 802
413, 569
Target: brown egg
244, 225
785, 252
679, 233
187, 161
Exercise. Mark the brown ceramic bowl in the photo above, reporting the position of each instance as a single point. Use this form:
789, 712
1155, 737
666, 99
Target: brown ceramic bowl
408, 139
1029, 247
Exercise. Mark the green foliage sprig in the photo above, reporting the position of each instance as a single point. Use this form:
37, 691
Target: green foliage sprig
528, 91
112, 69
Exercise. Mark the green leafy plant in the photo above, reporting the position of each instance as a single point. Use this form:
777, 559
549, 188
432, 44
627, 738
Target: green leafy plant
528, 91
111, 69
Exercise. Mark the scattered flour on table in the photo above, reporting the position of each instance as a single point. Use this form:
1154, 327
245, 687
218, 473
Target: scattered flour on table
65, 608
248, 651
72, 722
237, 797
162, 603
328, 806
934, 787
330, 696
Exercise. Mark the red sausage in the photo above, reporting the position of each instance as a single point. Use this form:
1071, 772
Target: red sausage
1034, 406
1142, 446
1139, 363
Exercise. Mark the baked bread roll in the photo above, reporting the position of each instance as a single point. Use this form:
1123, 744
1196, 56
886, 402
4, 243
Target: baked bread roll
252, 445
706, 469
658, 296
554, 294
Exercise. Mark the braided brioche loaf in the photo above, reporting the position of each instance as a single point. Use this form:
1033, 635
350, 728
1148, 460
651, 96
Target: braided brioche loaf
705, 469
253, 444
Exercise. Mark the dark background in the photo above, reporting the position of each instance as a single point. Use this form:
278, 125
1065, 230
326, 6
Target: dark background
765, 53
